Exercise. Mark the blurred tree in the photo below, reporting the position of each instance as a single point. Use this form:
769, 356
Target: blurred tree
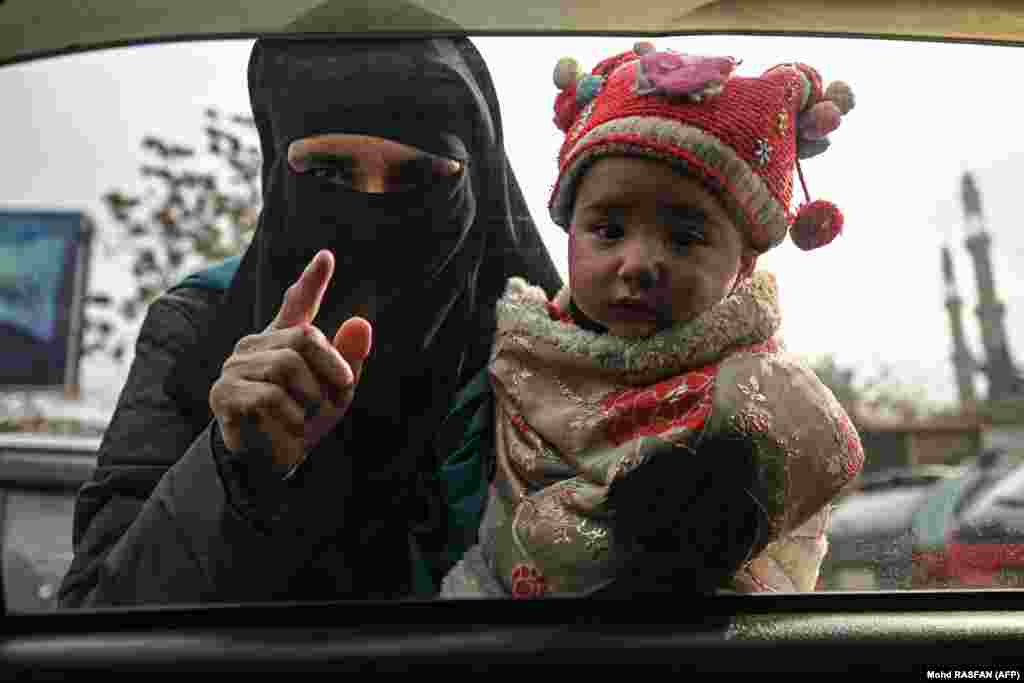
879, 394
193, 209
839, 380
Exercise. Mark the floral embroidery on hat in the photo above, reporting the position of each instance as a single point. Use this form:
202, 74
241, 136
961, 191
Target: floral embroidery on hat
680, 75
762, 152
781, 122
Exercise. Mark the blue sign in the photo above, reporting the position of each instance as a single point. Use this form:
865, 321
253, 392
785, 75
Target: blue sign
43, 268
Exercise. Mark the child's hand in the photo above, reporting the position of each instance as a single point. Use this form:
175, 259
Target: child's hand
283, 389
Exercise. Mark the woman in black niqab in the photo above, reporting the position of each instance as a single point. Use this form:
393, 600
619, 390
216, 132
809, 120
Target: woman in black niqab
424, 265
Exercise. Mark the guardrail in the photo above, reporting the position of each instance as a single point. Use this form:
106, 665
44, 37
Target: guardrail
49, 461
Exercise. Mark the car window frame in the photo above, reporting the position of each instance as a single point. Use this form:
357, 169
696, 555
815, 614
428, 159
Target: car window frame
817, 602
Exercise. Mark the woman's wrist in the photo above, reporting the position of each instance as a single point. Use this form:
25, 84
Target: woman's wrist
254, 487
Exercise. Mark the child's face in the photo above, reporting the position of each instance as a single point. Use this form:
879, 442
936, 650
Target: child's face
649, 247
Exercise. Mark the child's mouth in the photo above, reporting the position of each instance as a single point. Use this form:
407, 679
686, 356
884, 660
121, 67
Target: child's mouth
635, 310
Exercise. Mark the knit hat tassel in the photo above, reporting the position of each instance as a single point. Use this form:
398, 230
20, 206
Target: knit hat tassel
817, 223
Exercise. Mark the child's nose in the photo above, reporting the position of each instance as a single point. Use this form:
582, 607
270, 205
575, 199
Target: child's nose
643, 263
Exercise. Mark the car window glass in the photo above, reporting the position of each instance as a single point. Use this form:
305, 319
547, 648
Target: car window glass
913, 317
37, 547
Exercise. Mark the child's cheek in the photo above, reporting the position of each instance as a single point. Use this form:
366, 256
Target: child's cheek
572, 257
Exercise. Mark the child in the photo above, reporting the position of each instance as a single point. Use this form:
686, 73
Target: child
650, 433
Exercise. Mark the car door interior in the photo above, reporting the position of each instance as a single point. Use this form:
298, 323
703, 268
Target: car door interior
906, 632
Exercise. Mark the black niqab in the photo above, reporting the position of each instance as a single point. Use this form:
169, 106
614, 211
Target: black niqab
425, 266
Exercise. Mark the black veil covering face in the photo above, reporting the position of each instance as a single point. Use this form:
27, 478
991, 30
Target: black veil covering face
425, 266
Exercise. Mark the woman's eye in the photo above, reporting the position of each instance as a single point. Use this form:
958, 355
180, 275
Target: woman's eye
423, 171
337, 175
417, 173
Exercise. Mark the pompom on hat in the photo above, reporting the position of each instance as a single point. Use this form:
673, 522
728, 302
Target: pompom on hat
742, 136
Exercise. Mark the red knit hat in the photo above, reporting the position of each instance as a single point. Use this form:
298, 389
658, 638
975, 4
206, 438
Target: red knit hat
741, 136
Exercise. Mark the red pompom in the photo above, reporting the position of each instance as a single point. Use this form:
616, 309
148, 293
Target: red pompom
565, 108
816, 224
820, 120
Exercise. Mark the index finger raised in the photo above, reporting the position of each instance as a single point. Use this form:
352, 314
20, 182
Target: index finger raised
302, 300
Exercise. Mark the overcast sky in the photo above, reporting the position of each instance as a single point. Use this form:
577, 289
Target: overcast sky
925, 114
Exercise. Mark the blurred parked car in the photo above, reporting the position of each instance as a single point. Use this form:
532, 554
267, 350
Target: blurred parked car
934, 519
920, 475
892, 532
986, 546
869, 540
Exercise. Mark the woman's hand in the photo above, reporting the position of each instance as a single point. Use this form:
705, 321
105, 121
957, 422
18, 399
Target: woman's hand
284, 388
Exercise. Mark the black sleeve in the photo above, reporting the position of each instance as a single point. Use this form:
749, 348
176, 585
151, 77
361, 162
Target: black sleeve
157, 520
188, 544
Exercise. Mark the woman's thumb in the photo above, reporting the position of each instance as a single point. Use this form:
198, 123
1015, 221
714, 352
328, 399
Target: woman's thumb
354, 341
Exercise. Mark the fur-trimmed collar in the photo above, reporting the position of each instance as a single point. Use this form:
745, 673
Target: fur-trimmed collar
748, 316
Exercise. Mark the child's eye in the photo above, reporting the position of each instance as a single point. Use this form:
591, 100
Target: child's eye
608, 231
686, 236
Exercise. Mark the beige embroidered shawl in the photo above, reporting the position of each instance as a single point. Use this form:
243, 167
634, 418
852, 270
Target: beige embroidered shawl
576, 409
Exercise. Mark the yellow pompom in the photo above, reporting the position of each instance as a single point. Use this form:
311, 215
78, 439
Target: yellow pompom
567, 72
841, 94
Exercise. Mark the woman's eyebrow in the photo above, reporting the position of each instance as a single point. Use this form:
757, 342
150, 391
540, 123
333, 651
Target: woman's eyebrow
320, 156
421, 160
